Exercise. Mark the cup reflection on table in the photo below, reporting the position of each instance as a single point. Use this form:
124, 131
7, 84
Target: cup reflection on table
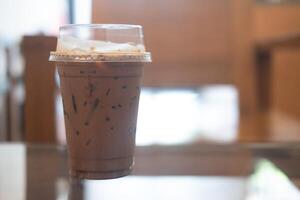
76, 189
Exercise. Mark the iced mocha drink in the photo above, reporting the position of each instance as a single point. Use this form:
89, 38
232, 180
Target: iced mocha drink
100, 83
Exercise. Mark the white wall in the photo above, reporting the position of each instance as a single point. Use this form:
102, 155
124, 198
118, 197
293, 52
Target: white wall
19, 17
83, 11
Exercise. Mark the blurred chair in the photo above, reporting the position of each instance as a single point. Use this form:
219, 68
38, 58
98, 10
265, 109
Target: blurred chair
14, 104
39, 89
4, 94
204, 42
11, 93
275, 32
284, 56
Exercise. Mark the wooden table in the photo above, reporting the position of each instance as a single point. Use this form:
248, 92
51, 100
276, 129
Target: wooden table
202, 171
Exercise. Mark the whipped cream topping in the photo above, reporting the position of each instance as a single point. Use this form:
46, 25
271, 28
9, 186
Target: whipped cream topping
72, 45
71, 49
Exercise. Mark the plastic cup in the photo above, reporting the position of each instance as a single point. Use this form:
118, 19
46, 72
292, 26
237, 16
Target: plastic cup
100, 69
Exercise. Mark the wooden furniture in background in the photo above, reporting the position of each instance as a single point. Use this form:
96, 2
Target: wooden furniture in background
277, 62
275, 20
203, 42
285, 121
190, 41
252, 126
14, 94
267, 52
276, 26
286, 89
195, 43
39, 89
276, 33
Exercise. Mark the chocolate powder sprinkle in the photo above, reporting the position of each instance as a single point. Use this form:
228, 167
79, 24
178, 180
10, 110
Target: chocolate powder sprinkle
96, 103
91, 88
88, 142
89, 116
74, 103
107, 92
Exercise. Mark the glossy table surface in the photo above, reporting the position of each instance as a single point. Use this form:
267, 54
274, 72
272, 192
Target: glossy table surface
202, 171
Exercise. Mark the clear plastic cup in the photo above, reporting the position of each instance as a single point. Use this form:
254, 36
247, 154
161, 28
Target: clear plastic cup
100, 68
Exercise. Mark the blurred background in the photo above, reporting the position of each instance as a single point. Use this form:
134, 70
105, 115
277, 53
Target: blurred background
223, 71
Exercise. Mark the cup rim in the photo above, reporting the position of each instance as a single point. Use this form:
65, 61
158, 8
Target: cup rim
101, 26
